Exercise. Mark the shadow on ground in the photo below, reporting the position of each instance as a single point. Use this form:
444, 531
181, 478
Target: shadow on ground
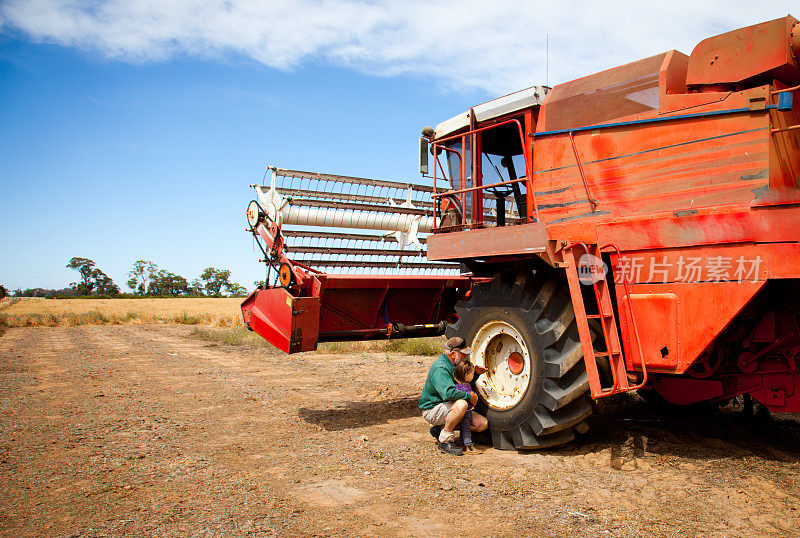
359, 414
630, 425
626, 427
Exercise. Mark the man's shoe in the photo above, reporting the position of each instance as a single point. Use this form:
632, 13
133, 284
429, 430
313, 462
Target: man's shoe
435, 431
451, 448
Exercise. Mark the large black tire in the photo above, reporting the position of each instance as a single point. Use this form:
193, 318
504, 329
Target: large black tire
556, 402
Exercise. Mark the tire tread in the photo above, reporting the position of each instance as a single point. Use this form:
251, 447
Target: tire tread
564, 403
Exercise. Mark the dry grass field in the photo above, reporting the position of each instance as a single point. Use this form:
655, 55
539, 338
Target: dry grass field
219, 320
217, 312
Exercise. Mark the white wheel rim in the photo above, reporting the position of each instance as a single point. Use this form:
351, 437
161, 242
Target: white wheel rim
504, 383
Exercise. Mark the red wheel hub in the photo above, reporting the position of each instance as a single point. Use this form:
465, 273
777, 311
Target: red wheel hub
515, 363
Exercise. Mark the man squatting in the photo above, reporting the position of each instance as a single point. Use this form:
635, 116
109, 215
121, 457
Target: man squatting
442, 404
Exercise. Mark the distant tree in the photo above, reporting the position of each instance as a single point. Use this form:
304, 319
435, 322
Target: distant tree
215, 279
103, 283
42, 292
2, 292
65, 291
85, 267
260, 283
139, 275
92, 278
165, 283
197, 287
35, 292
237, 290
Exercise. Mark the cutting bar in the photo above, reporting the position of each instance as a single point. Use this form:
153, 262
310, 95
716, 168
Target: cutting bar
377, 264
354, 251
351, 180
342, 236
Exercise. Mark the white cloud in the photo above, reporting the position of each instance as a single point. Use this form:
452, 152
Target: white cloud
496, 46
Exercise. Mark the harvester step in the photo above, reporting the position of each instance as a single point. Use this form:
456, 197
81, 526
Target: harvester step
606, 353
599, 316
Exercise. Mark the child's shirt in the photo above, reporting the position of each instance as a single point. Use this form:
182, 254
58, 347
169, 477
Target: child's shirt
466, 387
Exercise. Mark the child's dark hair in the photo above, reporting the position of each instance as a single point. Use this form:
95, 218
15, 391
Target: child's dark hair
462, 370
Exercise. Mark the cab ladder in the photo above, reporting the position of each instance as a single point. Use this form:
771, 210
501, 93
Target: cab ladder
584, 266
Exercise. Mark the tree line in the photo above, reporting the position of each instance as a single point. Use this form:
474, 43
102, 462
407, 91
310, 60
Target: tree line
145, 279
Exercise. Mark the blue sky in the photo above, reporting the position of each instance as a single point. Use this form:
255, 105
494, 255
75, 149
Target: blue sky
132, 130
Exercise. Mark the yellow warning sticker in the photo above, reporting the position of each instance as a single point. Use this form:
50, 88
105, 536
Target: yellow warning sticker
289, 301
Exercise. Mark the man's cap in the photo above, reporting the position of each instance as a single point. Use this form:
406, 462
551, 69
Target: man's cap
456, 342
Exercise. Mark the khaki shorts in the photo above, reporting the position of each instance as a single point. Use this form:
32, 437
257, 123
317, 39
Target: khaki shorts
436, 415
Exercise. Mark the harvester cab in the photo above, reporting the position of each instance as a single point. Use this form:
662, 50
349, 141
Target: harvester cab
635, 229
494, 132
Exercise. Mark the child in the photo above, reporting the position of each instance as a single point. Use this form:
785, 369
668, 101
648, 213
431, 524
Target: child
463, 375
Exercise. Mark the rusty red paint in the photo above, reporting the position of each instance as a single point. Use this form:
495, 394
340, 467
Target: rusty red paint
289, 323
761, 50
353, 307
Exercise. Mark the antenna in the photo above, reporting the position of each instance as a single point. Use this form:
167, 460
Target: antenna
547, 61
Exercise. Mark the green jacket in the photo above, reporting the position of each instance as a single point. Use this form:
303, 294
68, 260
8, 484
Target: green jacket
439, 385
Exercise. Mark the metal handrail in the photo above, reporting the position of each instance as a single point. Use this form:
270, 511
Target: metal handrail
529, 187
592, 201
460, 167
632, 318
490, 186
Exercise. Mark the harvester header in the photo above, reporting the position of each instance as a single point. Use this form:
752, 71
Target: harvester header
307, 306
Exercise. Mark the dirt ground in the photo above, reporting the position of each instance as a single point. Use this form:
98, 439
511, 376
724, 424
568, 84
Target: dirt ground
144, 429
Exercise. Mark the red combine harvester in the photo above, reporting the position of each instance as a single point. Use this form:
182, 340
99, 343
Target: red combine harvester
634, 229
